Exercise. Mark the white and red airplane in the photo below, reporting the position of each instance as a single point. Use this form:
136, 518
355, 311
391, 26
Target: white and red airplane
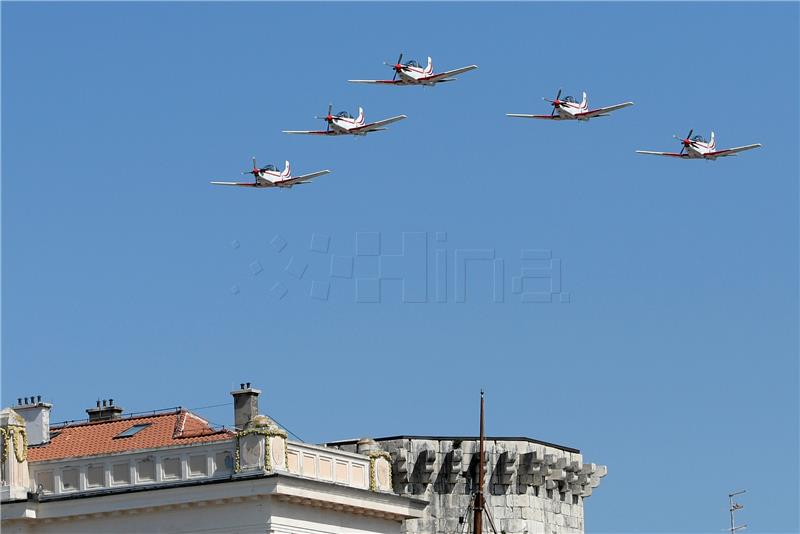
344, 124
413, 73
698, 148
270, 176
569, 109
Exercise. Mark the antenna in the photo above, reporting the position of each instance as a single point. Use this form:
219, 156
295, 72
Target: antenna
734, 506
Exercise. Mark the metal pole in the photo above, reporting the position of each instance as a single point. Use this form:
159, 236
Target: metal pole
733, 507
477, 513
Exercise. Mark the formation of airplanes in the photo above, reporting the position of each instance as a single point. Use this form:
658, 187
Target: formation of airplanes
413, 73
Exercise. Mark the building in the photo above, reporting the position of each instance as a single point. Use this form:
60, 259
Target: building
171, 471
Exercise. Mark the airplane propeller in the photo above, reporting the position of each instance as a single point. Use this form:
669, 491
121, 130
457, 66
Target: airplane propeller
328, 118
686, 141
556, 103
398, 66
255, 170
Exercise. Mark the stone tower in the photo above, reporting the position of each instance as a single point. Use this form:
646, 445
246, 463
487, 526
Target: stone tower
529, 487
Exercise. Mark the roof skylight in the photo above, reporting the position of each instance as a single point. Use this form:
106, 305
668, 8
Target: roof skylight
132, 431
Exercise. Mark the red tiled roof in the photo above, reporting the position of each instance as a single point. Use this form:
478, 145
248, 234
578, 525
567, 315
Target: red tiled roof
179, 427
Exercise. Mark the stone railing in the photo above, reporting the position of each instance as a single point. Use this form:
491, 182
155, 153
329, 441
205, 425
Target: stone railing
137, 468
329, 465
263, 447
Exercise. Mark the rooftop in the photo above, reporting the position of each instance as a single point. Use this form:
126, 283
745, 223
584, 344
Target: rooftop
154, 430
459, 438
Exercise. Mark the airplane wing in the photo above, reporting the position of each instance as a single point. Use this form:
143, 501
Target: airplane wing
248, 184
671, 154
544, 117
310, 132
388, 82
732, 151
374, 126
304, 179
603, 111
447, 74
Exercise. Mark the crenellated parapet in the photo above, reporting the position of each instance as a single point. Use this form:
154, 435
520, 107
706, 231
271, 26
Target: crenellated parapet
512, 466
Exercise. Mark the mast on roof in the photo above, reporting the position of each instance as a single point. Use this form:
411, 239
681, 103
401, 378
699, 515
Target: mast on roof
477, 507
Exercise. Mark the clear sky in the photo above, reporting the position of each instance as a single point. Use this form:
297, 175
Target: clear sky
669, 352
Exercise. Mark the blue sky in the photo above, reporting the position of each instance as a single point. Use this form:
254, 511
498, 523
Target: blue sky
669, 352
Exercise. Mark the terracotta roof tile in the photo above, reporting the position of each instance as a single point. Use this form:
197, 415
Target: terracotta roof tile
179, 427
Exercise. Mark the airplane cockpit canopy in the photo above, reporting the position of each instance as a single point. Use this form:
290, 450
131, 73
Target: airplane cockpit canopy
569, 99
412, 63
698, 138
269, 168
344, 114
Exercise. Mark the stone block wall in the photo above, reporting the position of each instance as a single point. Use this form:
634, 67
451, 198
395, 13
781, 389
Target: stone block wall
529, 487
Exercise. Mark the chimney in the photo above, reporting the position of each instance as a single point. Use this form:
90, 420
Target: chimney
37, 418
105, 412
245, 404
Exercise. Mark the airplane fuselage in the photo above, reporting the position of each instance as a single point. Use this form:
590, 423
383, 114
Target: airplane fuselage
411, 75
570, 110
266, 178
345, 125
699, 149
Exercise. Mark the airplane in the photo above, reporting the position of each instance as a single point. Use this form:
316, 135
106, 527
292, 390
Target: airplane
270, 176
569, 109
344, 124
698, 148
412, 73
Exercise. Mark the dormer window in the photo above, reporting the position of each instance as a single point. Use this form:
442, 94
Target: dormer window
132, 431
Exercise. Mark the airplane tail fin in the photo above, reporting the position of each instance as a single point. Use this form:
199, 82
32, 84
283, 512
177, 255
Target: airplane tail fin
360, 118
429, 68
287, 171
713, 142
585, 101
